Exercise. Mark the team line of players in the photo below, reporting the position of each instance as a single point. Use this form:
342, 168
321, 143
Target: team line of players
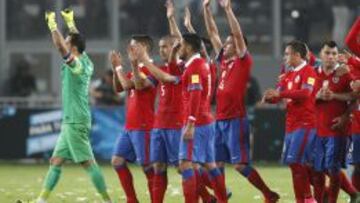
319, 101
184, 132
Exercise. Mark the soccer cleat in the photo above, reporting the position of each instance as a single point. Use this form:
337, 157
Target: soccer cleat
355, 198
273, 197
228, 193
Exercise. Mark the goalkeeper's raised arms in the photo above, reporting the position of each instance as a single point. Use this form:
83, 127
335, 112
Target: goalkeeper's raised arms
50, 19
68, 16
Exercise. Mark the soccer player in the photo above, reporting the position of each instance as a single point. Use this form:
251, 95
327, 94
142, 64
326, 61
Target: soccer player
297, 88
354, 158
354, 152
353, 42
73, 142
165, 136
197, 141
353, 38
232, 126
166, 133
206, 53
134, 143
333, 92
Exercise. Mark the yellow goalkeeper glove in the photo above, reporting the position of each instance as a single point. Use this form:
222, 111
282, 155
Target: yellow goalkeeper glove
50, 20
68, 16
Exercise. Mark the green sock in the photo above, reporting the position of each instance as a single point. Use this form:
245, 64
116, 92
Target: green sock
50, 182
98, 180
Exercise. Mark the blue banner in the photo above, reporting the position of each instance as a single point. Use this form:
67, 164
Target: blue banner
44, 130
108, 124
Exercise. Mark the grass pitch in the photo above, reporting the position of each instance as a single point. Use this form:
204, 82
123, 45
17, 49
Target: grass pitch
18, 181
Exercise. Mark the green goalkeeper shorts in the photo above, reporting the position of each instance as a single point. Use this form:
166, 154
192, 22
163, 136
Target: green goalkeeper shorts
73, 143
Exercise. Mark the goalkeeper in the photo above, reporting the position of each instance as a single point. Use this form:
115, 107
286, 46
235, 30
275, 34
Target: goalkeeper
73, 142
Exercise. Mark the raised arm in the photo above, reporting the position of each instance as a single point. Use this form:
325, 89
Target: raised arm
190, 29
121, 81
211, 27
353, 38
68, 16
57, 37
154, 70
235, 29
187, 21
159, 74
70, 59
170, 13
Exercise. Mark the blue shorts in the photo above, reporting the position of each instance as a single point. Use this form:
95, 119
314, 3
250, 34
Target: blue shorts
232, 141
298, 146
134, 146
329, 153
354, 150
165, 145
201, 148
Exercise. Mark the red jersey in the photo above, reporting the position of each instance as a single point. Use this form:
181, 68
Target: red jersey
196, 85
169, 112
230, 95
354, 64
297, 87
140, 105
327, 111
353, 38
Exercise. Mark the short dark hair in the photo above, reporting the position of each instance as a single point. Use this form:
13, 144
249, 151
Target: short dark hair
208, 46
329, 43
78, 40
145, 40
193, 40
298, 47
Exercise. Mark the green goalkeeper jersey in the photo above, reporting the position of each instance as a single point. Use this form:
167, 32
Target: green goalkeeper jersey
75, 78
